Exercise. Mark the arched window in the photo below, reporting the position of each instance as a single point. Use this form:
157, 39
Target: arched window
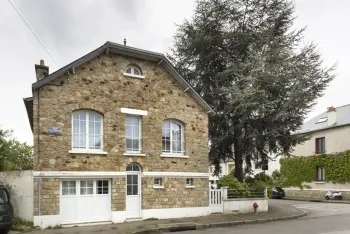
87, 130
133, 70
173, 141
133, 167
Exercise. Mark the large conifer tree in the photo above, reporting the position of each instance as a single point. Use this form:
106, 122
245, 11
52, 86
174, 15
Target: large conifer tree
248, 63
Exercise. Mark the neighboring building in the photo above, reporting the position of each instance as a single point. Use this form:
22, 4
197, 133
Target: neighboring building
118, 135
329, 133
257, 167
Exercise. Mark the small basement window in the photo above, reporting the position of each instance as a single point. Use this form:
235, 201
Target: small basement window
158, 182
189, 182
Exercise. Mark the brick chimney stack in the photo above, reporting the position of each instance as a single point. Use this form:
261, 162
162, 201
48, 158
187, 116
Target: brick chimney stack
41, 70
332, 115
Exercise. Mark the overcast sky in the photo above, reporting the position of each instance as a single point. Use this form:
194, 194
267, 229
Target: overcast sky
70, 29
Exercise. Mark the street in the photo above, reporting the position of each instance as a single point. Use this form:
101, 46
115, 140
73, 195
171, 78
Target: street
324, 218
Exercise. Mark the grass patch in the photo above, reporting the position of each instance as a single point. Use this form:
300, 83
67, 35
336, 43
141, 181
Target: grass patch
22, 225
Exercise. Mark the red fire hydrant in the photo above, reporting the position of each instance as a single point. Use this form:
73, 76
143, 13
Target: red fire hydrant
255, 206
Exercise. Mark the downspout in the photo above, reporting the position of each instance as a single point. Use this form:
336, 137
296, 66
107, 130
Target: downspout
39, 194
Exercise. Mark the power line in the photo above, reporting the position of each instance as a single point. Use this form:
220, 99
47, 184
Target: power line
35, 35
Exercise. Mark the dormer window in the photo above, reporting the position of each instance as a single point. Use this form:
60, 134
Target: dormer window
133, 71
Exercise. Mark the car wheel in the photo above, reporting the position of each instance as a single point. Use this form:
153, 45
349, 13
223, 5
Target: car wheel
5, 231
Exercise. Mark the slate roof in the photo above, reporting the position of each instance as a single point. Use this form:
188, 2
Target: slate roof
342, 118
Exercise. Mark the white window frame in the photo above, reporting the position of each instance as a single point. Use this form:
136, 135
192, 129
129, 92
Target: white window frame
190, 183
86, 149
132, 74
160, 183
171, 138
140, 134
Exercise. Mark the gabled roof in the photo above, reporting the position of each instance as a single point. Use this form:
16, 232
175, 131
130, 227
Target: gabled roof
110, 47
342, 118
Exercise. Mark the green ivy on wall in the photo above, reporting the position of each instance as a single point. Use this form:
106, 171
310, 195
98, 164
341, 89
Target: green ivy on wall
303, 169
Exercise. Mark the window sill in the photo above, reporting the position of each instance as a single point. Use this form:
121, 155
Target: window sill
320, 182
87, 152
173, 156
158, 186
190, 186
134, 76
134, 154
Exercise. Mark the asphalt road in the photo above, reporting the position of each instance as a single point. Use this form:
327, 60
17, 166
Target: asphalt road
324, 218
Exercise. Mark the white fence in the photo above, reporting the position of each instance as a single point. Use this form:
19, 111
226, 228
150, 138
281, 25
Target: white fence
215, 201
21, 192
219, 201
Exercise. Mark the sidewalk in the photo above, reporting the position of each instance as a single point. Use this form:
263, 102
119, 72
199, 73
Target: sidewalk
316, 200
276, 212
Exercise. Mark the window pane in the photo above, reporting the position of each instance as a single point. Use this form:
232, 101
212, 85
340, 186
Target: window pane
72, 184
135, 190
134, 179
166, 125
91, 127
129, 189
82, 183
135, 131
136, 72
90, 191
128, 132
71, 191
128, 144
64, 184
105, 183
99, 190
135, 145
99, 183
105, 190
82, 191
128, 70
64, 191
135, 167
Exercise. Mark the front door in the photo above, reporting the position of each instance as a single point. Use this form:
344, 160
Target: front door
133, 191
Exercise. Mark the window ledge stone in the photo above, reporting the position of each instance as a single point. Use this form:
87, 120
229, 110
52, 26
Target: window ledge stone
173, 156
134, 76
158, 186
134, 154
87, 152
190, 186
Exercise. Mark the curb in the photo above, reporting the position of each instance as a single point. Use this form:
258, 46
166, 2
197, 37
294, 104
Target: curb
196, 226
316, 200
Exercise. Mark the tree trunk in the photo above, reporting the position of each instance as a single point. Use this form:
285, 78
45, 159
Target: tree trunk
238, 162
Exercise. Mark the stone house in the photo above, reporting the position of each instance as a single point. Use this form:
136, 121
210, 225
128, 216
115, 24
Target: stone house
118, 135
329, 133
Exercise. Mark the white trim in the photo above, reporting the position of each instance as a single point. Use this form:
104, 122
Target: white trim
78, 174
118, 216
164, 155
134, 154
319, 189
44, 221
175, 212
175, 174
86, 151
134, 76
182, 129
320, 182
110, 174
133, 111
158, 186
190, 186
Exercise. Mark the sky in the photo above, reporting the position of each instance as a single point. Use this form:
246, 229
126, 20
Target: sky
70, 29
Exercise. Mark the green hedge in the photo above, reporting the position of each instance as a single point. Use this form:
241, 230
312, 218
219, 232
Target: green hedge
303, 169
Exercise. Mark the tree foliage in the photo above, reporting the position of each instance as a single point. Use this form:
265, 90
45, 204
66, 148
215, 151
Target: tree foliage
247, 62
13, 154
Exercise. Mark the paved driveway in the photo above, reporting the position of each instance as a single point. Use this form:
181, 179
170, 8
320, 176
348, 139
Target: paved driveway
324, 218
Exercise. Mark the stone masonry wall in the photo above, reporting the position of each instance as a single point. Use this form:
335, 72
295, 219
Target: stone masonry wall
49, 196
101, 86
174, 194
118, 194
313, 194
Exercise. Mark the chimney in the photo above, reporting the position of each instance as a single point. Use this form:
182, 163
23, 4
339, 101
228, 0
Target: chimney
332, 115
41, 70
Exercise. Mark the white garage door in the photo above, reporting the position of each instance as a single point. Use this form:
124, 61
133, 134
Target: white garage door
85, 201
